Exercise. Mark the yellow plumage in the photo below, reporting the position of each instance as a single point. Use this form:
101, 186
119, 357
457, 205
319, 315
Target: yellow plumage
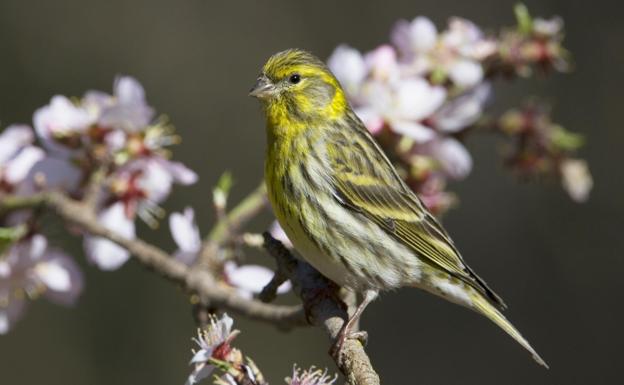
342, 203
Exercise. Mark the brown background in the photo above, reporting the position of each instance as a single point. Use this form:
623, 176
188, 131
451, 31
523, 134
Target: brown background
558, 264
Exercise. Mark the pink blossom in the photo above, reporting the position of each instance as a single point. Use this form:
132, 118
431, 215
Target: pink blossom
548, 27
106, 254
250, 279
311, 376
382, 64
416, 38
17, 155
247, 279
13, 139
462, 111
29, 269
126, 109
60, 121
186, 235
144, 183
348, 65
278, 233
453, 158
214, 342
455, 53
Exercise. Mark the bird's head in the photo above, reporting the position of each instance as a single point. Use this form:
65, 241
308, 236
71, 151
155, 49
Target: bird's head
295, 86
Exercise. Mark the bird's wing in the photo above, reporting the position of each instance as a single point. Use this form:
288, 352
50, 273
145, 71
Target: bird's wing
365, 181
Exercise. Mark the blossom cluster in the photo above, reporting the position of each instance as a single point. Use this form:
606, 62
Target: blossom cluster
216, 353
420, 94
70, 140
119, 140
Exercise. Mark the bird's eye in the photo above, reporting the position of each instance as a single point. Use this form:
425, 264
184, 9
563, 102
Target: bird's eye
294, 79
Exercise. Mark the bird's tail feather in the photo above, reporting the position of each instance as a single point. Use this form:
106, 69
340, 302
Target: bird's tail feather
483, 306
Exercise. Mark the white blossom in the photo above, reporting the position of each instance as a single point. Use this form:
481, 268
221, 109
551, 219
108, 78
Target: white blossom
29, 269
213, 342
312, 376
106, 254
246, 279
576, 179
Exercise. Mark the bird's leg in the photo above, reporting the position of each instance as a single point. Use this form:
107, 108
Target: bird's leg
345, 331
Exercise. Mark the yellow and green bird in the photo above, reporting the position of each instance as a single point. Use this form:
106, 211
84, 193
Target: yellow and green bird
343, 205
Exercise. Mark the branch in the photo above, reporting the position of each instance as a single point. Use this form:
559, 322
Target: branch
93, 190
9, 203
324, 312
194, 280
223, 230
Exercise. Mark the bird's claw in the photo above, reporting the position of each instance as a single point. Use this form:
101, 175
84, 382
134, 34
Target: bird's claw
361, 336
336, 350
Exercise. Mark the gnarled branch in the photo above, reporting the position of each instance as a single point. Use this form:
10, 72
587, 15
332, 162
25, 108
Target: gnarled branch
324, 312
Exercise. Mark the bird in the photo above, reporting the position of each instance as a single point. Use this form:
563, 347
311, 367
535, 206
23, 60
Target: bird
342, 203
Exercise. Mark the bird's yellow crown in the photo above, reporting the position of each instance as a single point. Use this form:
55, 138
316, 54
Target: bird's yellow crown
298, 90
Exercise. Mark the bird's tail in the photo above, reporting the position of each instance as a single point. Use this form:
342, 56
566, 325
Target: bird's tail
483, 306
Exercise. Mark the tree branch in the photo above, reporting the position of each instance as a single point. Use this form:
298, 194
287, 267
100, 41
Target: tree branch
324, 312
192, 279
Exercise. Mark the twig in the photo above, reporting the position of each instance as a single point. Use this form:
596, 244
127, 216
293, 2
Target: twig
285, 265
10, 203
194, 280
324, 312
234, 220
94, 187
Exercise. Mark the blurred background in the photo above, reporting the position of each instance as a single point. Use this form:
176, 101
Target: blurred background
557, 264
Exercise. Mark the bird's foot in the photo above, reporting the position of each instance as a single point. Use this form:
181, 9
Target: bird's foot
336, 350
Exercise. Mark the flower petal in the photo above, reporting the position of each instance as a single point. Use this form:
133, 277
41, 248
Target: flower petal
130, 111
548, 27
58, 119
417, 99
419, 36
57, 173
12, 139
576, 179
104, 253
181, 174
466, 73
462, 111
278, 233
62, 277
17, 169
382, 63
453, 157
371, 119
201, 356
251, 278
199, 373
184, 231
413, 130
348, 66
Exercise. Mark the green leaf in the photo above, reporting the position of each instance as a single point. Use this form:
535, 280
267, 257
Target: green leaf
566, 140
225, 182
523, 18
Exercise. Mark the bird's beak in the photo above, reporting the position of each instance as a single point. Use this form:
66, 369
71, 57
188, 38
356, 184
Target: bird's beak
263, 87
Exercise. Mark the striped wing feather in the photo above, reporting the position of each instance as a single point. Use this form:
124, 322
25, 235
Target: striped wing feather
365, 181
